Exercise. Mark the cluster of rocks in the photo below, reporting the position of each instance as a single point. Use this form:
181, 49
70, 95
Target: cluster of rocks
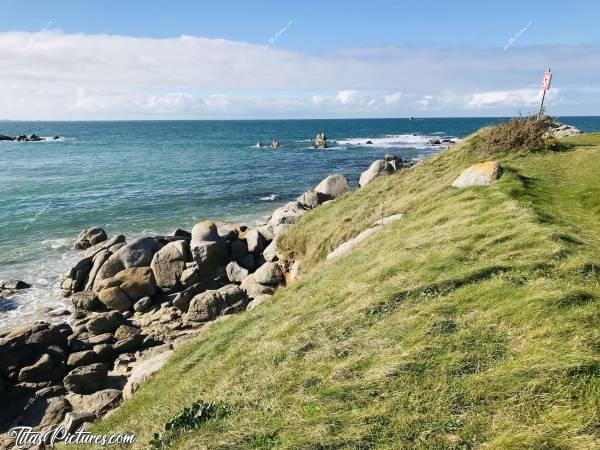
25, 138
48, 378
441, 141
560, 130
133, 302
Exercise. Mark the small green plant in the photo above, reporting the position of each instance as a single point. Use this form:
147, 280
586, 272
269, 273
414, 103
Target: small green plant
188, 419
522, 135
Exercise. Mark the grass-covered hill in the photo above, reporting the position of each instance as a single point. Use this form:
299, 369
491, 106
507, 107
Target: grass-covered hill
472, 322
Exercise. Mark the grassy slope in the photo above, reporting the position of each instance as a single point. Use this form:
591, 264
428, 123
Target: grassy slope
471, 322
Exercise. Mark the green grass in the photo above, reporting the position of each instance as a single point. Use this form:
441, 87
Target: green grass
473, 322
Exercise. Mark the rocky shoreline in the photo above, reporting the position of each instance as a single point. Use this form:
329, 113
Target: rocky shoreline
134, 302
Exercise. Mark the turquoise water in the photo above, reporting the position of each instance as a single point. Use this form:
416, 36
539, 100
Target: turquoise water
150, 177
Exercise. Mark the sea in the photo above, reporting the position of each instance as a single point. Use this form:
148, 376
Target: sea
150, 177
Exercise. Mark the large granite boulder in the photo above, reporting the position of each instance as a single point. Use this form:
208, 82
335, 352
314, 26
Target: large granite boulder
333, 186
86, 379
311, 199
168, 264
44, 369
269, 274
235, 272
138, 253
254, 289
481, 174
86, 301
89, 237
209, 304
378, 168
286, 216
115, 298
112, 244
209, 250
135, 283
105, 322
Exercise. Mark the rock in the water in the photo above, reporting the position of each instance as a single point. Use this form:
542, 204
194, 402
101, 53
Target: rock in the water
138, 253
479, 175
333, 186
6, 138
86, 379
378, 168
434, 142
14, 285
89, 237
235, 272
169, 263
321, 140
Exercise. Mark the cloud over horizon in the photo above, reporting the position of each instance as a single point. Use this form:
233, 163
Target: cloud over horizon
53, 75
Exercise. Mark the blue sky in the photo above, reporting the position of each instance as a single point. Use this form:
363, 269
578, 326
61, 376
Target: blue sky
106, 59
320, 25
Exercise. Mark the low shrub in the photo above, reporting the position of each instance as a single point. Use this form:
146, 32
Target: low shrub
187, 419
522, 135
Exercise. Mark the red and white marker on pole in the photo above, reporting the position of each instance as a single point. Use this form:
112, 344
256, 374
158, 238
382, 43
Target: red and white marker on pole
545, 87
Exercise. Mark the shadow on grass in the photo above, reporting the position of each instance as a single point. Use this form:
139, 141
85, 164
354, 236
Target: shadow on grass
440, 289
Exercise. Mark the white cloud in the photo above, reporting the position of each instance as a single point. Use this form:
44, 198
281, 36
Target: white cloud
510, 98
393, 99
53, 75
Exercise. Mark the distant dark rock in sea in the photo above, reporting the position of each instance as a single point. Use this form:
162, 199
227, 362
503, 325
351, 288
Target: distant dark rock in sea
27, 138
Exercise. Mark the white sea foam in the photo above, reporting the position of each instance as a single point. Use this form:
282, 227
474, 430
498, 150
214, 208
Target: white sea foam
418, 141
57, 243
269, 198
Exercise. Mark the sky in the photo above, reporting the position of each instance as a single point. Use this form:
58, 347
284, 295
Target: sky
110, 60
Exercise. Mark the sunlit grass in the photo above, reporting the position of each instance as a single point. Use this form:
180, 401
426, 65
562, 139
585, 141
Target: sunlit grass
471, 322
